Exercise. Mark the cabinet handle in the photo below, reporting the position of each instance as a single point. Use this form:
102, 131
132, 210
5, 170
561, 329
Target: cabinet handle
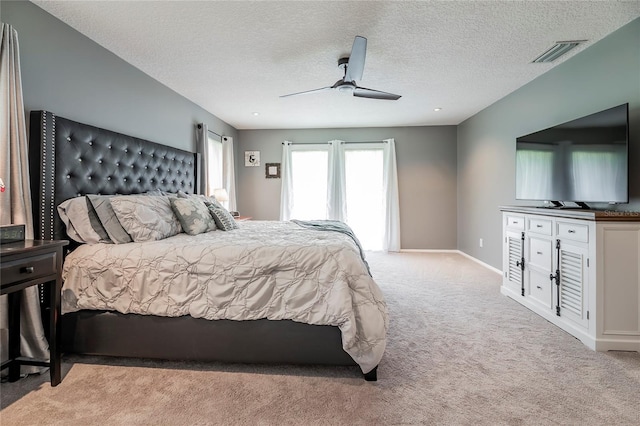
571, 231
515, 222
538, 287
28, 270
538, 252
538, 226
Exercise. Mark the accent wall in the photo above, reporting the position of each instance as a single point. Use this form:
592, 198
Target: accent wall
602, 76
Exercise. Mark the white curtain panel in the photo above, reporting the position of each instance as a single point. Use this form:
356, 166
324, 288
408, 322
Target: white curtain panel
336, 185
286, 192
202, 147
392, 200
228, 171
15, 202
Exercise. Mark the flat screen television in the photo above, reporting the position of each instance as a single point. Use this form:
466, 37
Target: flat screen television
581, 161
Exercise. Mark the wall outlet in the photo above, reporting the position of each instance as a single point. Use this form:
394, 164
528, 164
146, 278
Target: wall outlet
481, 243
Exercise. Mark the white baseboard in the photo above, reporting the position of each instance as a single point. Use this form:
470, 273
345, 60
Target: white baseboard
428, 251
486, 265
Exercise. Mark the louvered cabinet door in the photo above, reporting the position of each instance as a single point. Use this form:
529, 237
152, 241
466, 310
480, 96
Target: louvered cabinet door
513, 256
573, 283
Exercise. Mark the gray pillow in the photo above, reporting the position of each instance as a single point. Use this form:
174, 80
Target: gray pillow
223, 218
81, 226
193, 215
207, 200
101, 205
146, 217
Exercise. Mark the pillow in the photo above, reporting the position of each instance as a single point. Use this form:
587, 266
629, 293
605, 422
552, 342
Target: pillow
223, 218
193, 215
207, 200
82, 224
146, 217
101, 205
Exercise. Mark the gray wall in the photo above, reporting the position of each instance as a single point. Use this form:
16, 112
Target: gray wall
65, 72
604, 75
426, 159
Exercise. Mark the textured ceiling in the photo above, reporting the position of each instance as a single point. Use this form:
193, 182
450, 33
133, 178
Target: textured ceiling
236, 58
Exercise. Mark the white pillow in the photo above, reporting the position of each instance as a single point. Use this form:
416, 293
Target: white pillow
146, 217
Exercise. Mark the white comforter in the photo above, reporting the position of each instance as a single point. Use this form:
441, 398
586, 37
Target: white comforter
274, 270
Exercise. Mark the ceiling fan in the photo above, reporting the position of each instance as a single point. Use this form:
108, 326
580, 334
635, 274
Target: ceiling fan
353, 68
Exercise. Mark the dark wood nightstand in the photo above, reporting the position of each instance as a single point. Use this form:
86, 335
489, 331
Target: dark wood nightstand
24, 264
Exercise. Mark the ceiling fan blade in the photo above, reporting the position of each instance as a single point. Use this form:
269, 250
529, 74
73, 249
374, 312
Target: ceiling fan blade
355, 67
307, 92
363, 92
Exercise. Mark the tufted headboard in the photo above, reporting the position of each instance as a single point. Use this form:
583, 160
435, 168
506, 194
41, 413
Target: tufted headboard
69, 159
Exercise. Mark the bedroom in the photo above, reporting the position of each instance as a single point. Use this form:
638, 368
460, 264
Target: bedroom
464, 164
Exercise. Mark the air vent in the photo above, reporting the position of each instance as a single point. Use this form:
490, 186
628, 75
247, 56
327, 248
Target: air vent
557, 50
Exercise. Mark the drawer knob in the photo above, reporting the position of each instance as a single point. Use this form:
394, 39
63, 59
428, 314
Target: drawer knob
571, 231
538, 287
538, 226
538, 252
28, 270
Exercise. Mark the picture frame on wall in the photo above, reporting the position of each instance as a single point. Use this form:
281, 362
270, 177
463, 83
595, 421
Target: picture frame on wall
272, 170
252, 158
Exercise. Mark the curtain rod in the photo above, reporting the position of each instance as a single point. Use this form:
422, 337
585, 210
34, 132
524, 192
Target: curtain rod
347, 142
210, 131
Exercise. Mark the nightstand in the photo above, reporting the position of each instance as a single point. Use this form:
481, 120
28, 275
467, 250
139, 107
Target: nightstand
242, 218
24, 264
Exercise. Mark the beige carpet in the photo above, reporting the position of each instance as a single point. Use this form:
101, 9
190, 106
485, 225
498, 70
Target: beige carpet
458, 353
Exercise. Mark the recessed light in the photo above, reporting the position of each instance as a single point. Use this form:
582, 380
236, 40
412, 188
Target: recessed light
256, 114
437, 109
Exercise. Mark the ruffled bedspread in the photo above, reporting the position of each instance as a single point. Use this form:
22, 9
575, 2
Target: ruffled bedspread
273, 270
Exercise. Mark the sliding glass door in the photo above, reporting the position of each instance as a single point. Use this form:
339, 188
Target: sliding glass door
364, 193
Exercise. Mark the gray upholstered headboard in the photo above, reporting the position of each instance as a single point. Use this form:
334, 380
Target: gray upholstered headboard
69, 159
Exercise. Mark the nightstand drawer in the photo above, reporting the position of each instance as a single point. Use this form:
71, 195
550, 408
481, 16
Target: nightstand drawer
28, 268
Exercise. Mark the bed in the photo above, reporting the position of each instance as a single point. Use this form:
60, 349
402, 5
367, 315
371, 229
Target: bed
70, 159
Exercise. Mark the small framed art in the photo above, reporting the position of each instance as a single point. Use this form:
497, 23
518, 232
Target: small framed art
272, 170
252, 158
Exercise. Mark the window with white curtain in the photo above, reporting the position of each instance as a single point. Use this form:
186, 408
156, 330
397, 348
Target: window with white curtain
355, 183
214, 164
365, 193
309, 166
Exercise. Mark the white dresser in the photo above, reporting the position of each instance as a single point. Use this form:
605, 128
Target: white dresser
579, 269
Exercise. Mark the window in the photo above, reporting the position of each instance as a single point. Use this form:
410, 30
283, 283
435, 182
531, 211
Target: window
364, 194
214, 164
356, 184
309, 166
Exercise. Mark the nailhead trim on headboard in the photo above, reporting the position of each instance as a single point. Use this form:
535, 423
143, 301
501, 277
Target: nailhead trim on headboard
52, 207
43, 202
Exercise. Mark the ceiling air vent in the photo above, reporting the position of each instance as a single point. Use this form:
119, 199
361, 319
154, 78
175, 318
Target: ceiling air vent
557, 50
